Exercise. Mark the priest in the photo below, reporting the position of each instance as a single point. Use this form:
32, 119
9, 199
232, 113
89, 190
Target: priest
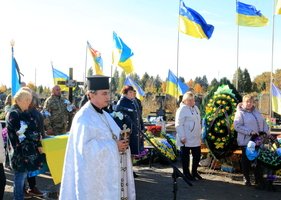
92, 165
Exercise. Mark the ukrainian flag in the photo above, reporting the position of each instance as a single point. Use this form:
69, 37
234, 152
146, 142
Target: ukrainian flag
15, 75
248, 15
276, 99
139, 90
193, 24
98, 62
122, 54
60, 76
278, 7
54, 148
174, 86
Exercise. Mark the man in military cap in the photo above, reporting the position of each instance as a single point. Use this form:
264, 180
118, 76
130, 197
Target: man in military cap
92, 162
57, 112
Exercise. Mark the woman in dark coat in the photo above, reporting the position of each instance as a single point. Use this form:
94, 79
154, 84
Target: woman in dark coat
133, 119
25, 141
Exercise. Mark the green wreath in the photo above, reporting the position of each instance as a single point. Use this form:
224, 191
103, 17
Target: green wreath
220, 135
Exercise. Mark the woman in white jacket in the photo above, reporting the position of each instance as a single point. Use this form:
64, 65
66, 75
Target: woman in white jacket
188, 127
2, 172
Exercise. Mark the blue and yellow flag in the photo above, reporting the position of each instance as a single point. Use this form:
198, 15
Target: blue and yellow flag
60, 76
139, 90
16, 75
54, 148
98, 62
193, 24
122, 55
278, 7
276, 99
174, 86
248, 15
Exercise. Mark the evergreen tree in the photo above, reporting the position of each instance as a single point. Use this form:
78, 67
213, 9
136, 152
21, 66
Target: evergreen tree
205, 83
158, 83
135, 77
240, 80
214, 82
144, 80
263, 86
40, 89
114, 81
255, 87
247, 83
121, 81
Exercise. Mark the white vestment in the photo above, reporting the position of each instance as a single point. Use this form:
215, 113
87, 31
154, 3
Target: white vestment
92, 161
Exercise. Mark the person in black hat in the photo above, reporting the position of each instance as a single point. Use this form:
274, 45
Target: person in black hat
92, 160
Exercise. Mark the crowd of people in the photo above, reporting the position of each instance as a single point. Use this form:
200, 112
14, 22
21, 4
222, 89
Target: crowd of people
25, 128
94, 138
98, 159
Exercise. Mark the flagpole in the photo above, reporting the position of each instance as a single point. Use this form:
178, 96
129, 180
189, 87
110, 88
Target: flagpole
110, 86
178, 44
12, 42
85, 70
237, 53
53, 72
272, 61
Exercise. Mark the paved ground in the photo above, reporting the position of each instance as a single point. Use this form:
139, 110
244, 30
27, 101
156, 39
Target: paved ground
156, 183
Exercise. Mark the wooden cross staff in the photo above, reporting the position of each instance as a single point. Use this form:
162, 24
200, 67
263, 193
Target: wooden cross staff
125, 132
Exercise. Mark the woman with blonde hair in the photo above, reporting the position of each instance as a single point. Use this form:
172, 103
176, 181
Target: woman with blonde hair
248, 122
24, 141
188, 127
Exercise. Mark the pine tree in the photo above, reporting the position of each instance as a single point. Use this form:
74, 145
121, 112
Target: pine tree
247, 82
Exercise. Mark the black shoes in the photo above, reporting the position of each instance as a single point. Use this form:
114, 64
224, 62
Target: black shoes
135, 175
197, 176
189, 177
247, 183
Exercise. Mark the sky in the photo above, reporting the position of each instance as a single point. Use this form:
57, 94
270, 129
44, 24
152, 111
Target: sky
55, 31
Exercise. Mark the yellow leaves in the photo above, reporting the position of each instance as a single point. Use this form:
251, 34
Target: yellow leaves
208, 109
219, 145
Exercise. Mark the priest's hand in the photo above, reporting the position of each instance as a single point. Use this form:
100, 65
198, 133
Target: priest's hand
122, 145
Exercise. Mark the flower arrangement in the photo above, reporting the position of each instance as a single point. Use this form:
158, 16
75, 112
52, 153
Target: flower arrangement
171, 139
163, 145
155, 130
270, 152
218, 128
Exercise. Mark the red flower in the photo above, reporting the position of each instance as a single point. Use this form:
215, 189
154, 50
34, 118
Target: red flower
155, 130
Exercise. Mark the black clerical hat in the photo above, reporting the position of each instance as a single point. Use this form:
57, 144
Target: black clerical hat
98, 82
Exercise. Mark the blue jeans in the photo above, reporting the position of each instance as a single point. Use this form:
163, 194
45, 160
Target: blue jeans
18, 185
